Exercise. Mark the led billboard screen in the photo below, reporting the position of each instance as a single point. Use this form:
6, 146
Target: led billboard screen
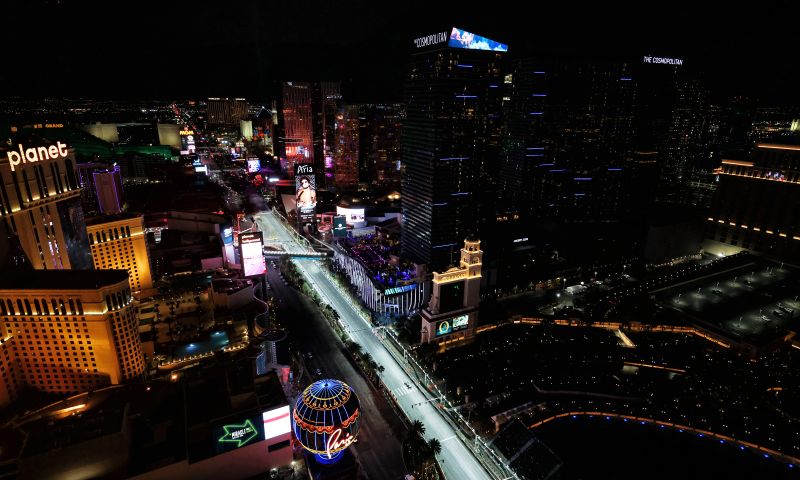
352, 215
455, 324
339, 226
463, 39
305, 192
253, 262
277, 422
253, 165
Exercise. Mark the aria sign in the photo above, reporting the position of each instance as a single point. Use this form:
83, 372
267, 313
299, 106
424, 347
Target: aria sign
36, 154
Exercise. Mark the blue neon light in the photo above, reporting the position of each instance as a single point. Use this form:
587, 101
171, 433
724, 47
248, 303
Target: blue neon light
582, 179
538, 95
614, 169
493, 86
454, 158
536, 113
535, 148
535, 155
460, 193
463, 39
546, 164
463, 65
580, 194
439, 204
445, 245
559, 170
538, 73
625, 78
466, 96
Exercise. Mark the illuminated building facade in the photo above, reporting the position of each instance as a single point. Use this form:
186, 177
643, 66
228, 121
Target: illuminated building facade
226, 111
108, 185
296, 140
119, 243
68, 331
40, 202
345, 162
751, 208
450, 143
326, 418
452, 313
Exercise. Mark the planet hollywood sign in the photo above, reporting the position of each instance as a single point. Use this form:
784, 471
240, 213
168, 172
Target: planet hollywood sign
666, 61
36, 154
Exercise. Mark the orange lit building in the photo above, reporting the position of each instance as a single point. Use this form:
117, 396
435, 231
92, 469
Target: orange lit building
118, 242
67, 331
753, 205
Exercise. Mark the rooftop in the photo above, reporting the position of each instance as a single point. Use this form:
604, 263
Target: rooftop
62, 279
100, 219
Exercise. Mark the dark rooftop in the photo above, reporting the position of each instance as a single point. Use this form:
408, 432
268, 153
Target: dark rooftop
527, 455
61, 279
111, 218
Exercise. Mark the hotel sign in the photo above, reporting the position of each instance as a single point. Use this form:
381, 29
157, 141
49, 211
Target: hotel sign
428, 40
36, 154
667, 61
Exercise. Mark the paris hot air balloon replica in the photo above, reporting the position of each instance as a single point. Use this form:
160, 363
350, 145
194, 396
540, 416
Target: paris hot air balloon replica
325, 419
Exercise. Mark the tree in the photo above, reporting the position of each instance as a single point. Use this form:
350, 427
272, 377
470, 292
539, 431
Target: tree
435, 447
417, 428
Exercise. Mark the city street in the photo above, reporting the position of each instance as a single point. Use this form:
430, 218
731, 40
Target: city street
378, 448
456, 460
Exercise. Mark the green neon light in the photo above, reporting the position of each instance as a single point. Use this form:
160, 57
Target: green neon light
240, 434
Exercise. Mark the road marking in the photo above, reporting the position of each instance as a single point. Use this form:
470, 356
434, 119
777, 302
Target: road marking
448, 438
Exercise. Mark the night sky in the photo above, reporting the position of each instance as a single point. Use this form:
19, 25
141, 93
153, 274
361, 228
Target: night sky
172, 50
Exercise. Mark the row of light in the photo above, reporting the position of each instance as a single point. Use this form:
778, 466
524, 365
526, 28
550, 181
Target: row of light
755, 229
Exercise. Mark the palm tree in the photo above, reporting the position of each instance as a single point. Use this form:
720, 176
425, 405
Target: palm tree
417, 428
435, 447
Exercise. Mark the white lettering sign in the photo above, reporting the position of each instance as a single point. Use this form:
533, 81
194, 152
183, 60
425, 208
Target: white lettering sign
431, 39
668, 61
36, 154
335, 443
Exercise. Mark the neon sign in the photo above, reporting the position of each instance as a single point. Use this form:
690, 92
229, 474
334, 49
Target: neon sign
667, 61
239, 434
431, 39
335, 444
36, 154
404, 288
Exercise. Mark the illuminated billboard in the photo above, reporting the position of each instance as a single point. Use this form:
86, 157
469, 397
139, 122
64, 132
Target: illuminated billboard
253, 165
452, 325
277, 422
352, 215
339, 226
253, 262
237, 434
463, 39
305, 192
187, 141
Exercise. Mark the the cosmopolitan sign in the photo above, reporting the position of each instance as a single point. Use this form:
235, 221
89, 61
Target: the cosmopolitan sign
427, 40
667, 61
36, 154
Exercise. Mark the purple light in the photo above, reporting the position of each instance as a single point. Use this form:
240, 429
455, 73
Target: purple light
538, 73
558, 170
582, 179
460, 193
535, 155
625, 78
538, 94
614, 169
466, 96
453, 158
580, 194
534, 148
546, 164
460, 65
536, 113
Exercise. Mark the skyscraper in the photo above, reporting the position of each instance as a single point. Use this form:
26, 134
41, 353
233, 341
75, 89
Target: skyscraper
379, 143
118, 242
108, 185
67, 331
570, 127
40, 202
296, 138
345, 156
449, 143
226, 111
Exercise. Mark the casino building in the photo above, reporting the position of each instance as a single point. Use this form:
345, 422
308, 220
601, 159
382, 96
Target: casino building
67, 331
118, 242
40, 202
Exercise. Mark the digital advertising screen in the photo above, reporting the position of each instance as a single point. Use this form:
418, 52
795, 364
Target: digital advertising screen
352, 215
452, 325
339, 226
305, 192
238, 433
253, 262
277, 422
463, 39
253, 165
451, 296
